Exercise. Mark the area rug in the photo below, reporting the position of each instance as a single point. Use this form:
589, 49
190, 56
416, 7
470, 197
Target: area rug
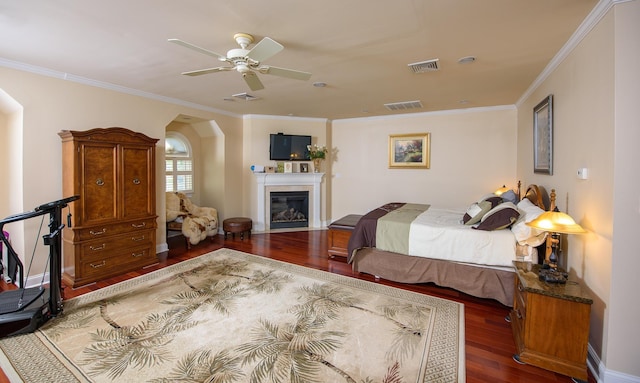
229, 316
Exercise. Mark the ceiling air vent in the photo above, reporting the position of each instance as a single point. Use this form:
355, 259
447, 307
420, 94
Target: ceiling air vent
245, 96
424, 66
404, 105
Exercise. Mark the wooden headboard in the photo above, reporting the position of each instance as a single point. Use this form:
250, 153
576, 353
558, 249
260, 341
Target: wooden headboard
534, 194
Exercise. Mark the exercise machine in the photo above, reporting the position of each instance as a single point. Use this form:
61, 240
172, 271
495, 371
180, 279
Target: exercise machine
24, 310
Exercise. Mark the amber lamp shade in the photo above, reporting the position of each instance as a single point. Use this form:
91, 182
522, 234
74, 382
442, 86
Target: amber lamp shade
501, 191
556, 222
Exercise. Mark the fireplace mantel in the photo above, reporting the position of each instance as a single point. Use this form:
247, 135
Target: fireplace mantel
268, 182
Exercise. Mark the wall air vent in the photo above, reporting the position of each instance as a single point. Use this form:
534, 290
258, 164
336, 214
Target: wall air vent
245, 96
404, 105
424, 66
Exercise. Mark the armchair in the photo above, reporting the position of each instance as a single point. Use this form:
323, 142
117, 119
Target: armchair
195, 222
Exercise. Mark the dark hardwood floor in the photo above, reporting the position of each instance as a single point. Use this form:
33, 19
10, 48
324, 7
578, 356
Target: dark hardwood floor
488, 338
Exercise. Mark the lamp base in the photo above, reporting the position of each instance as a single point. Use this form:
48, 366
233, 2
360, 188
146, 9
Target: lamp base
552, 276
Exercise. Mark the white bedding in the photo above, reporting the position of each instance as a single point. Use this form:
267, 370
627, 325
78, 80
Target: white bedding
437, 233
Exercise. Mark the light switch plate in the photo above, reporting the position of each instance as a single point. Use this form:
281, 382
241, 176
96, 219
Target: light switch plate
583, 173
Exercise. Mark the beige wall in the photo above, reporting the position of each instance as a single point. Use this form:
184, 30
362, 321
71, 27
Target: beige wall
595, 92
52, 104
11, 154
583, 106
472, 153
624, 315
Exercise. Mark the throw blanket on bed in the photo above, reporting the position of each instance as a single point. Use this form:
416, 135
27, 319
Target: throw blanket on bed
364, 234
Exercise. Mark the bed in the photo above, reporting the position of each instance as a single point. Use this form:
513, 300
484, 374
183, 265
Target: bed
414, 243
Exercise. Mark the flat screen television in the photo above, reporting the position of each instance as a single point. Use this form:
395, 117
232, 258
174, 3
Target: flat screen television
289, 147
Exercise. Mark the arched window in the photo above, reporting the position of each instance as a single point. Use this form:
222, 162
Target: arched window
178, 163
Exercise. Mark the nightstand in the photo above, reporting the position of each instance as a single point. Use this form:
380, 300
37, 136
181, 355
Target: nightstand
550, 322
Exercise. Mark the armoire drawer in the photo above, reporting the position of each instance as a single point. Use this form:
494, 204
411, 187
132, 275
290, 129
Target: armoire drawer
107, 230
103, 247
114, 264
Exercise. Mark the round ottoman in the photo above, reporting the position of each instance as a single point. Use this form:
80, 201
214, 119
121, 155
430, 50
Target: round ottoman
237, 225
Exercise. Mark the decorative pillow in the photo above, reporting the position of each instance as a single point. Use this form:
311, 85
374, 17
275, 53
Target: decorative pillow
509, 196
527, 235
494, 199
500, 217
475, 212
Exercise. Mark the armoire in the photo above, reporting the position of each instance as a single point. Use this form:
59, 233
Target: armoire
113, 223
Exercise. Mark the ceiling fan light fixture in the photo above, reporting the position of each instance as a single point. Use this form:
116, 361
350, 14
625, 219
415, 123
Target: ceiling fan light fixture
242, 68
246, 62
243, 39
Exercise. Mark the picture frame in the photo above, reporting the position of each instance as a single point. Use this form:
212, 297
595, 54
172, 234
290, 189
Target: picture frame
288, 167
410, 151
543, 136
304, 168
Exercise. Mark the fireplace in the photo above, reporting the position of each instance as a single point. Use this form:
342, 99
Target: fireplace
289, 209
267, 183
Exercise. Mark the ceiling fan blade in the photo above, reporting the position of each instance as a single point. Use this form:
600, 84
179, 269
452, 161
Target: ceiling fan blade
197, 49
206, 71
283, 72
253, 81
264, 49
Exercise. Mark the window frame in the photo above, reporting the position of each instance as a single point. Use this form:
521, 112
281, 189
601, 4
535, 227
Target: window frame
174, 158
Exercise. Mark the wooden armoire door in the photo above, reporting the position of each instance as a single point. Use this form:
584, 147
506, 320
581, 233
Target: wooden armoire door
98, 183
136, 174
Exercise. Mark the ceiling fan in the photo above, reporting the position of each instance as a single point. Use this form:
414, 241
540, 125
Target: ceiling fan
245, 61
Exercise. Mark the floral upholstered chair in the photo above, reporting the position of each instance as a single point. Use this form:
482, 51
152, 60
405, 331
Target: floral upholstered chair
196, 223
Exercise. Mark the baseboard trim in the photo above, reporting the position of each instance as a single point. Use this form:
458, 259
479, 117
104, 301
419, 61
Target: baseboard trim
610, 376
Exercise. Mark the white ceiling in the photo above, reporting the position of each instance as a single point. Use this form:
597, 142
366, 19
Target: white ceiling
359, 48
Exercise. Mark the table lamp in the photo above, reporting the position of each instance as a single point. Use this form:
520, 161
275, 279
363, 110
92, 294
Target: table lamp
555, 223
501, 190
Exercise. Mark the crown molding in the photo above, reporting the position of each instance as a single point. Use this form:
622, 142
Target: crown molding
594, 17
105, 85
434, 113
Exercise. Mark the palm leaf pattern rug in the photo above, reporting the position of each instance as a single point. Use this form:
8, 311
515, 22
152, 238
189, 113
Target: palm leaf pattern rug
229, 316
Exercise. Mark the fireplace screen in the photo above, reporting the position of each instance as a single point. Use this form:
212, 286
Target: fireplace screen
289, 209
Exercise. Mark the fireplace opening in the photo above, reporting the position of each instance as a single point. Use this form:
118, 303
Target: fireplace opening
289, 209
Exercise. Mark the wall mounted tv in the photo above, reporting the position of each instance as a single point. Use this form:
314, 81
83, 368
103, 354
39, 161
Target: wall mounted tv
289, 147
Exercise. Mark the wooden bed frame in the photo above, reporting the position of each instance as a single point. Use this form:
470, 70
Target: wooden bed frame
484, 282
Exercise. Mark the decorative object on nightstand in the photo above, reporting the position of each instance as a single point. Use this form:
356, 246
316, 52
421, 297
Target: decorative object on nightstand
555, 222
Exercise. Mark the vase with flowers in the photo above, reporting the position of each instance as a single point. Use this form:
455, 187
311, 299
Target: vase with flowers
317, 154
